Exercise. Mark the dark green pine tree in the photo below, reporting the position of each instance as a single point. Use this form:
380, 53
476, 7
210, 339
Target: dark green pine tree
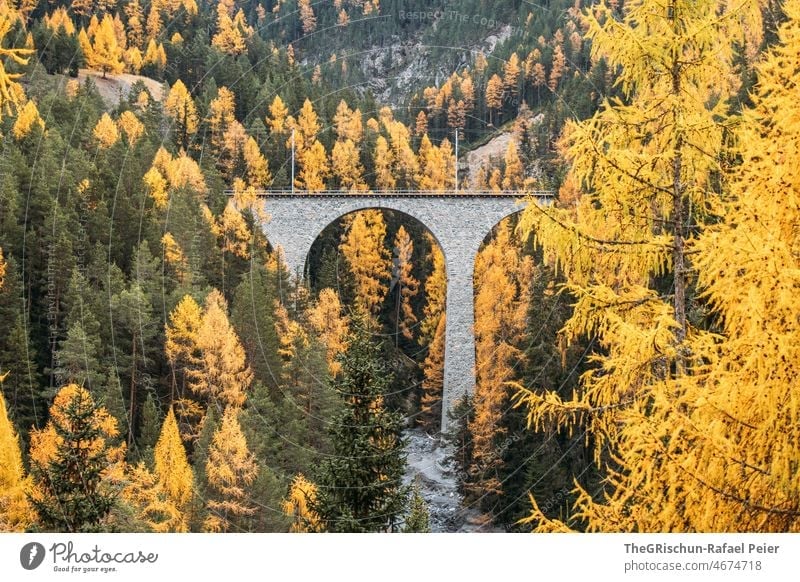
22, 384
149, 430
73, 496
360, 487
253, 316
418, 520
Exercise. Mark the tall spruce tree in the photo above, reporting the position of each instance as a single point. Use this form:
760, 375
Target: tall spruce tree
360, 487
72, 463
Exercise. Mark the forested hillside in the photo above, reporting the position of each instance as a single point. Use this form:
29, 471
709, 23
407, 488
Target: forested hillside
636, 341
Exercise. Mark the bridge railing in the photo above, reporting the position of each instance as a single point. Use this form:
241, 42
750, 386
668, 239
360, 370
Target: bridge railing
286, 193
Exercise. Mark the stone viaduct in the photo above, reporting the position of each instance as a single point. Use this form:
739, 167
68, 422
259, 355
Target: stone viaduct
458, 221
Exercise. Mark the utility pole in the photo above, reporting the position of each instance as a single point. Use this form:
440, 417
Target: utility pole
292, 160
456, 164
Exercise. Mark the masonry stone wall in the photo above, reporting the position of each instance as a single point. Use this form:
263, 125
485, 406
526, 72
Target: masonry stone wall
459, 223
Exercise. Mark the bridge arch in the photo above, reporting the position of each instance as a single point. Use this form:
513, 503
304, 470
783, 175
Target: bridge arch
459, 223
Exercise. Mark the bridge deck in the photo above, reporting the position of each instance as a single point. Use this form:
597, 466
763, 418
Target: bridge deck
401, 194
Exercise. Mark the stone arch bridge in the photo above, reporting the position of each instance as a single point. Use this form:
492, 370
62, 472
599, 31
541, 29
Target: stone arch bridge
458, 221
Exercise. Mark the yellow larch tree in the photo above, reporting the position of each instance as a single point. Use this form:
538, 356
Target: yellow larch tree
327, 320
105, 132
11, 92
230, 228
368, 260
298, 505
231, 468
315, 168
180, 106
407, 285
650, 168
173, 474
494, 95
384, 161
134, 60
511, 71
155, 55
307, 18
173, 253
131, 127
502, 279
430, 405
221, 114
421, 124
106, 52
58, 18
435, 291
733, 423
348, 123
183, 172
278, 113
256, 166
514, 175
406, 166
184, 355
306, 127
16, 514
436, 166
28, 118
232, 33
347, 168
557, 70
135, 24
223, 375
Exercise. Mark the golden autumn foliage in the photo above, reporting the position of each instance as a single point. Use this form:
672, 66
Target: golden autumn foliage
298, 505
311, 155
348, 123
75, 461
155, 55
230, 470
278, 113
435, 291
180, 106
257, 168
384, 160
232, 33
59, 18
307, 18
105, 52
27, 119
131, 127
157, 189
173, 473
231, 230
513, 177
16, 513
643, 165
407, 285
105, 132
223, 374
315, 168
346, 163
161, 497
326, 319
502, 280
11, 92
369, 261
436, 165
175, 257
